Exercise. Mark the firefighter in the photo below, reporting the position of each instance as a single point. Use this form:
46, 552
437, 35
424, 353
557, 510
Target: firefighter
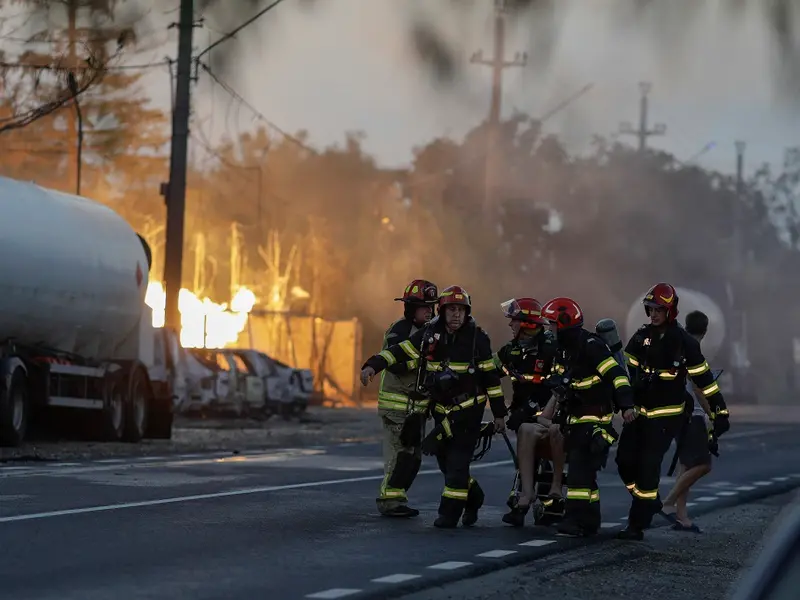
660, 355
527, 359
591, 386
458, 375
402, 454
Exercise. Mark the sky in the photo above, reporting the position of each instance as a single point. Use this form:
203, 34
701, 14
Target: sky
346, 65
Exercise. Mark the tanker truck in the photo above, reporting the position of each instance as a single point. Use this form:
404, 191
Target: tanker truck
76, 337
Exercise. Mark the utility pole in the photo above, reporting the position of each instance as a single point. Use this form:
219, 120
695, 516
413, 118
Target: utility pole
643, 132
497, 64
73, 183
175, 190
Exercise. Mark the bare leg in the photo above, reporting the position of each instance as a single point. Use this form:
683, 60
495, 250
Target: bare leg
689, 478
559, 459
527, 436
669, 501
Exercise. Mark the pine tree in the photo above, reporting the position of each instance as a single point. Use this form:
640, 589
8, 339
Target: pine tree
123, 136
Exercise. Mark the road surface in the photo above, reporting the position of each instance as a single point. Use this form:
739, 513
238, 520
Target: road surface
296, 523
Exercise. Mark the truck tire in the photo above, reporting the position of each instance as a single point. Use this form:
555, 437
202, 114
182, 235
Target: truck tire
112, 417
14, 409
136, 414
159, 419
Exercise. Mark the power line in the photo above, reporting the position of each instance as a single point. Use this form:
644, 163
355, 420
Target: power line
232, 33
254, 110
59, 68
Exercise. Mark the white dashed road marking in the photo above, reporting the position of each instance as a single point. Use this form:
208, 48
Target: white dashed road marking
334, 593
745, 488
396, 578
537, 543
727, 493
762, 483
609, 525
451, 565
497, 553
706, 499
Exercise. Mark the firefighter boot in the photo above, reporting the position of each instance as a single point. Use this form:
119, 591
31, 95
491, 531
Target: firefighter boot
516, 516
475, 500
633, 534
401, 510
446, 521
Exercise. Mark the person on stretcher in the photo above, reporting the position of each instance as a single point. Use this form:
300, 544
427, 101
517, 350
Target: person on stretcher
528, 360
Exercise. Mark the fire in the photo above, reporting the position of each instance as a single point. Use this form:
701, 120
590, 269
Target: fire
203, 323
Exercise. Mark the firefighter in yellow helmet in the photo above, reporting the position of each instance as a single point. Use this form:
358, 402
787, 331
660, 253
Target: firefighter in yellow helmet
402, 416
458, 375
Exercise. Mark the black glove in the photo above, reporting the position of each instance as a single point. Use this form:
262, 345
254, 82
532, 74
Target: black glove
713, 445
517, 418
721, 425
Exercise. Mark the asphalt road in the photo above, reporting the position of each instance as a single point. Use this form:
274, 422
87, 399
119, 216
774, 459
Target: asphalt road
292, 524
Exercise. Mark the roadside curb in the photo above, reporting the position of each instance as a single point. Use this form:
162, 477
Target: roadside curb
399, 590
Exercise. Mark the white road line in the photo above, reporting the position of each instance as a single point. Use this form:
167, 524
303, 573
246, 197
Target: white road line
762, 483
727, 493
229, 493
706, 499
112, 460
610, 525
66, 464
496, 553
780, 479
537, 543
688, 504
451, 565
396, 578
334, 593
17, 468
745, 488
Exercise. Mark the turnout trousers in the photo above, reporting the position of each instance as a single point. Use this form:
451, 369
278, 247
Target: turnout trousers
400, 463
587, 446
461, 493
642, 447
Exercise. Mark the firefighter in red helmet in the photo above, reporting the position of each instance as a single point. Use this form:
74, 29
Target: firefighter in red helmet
528, 359
660, 356
591, 385
458, 375
402, 417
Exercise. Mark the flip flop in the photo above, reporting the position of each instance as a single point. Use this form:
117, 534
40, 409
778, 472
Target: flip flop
678, 526
669, 517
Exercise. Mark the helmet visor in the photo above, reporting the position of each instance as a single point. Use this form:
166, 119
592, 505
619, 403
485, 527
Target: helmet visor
511, 309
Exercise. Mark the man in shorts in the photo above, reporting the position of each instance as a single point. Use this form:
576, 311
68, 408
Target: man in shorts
694, 455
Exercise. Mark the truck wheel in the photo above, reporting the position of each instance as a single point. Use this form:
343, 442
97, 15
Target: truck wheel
14, 409
112, 418
136, 407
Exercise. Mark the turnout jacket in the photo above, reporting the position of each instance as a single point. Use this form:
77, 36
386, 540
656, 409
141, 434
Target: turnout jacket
597, 384
659, 361
467, 353
527, 366
399, 379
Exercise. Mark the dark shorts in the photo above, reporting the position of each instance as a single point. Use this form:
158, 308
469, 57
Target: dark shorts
694, 448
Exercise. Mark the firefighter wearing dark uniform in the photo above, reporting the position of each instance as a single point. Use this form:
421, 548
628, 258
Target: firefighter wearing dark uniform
402, 454
527, 360
592, 386
459, 376
659, 356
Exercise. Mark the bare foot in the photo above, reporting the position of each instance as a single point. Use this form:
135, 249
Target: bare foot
523, 502
668, 509
555, 492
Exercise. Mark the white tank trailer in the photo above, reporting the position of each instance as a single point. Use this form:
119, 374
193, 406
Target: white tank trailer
75, 332
688, 301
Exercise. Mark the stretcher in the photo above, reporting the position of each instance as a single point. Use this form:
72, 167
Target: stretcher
546, 511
